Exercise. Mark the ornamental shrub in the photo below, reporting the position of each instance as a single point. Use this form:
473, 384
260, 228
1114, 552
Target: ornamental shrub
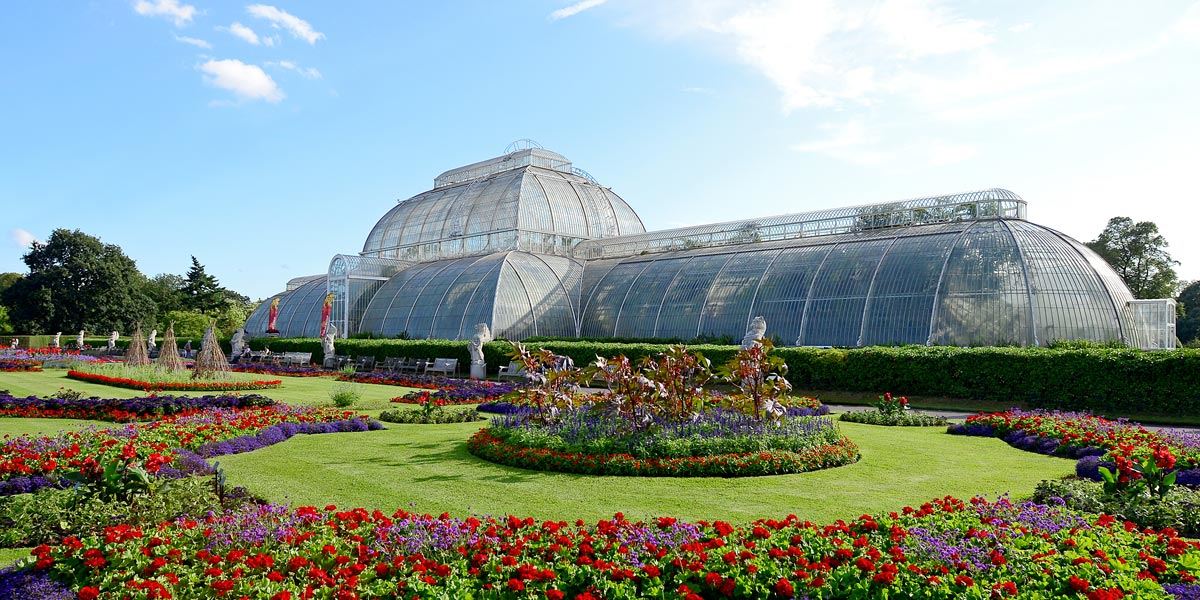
1073, 377
1179, 509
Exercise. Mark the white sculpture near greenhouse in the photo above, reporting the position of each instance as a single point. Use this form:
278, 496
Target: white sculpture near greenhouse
482, 336
327, 345
755, 333
79, 340
112, 340
151, 344
57, 341
237, 344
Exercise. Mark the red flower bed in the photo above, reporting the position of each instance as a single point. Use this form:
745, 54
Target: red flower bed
13, 365
774, 462
174, 386
943, 549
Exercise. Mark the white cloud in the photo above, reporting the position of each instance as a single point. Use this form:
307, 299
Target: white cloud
243, 33
247, 82
574, 9
851, 142
180, 14
309, 72
1021, 27
919, 28
1189, 23
282, 19
940, 153
197, 42
704, 91
22, 237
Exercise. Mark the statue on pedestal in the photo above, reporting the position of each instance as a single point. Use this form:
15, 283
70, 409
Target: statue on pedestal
150, 343
15, 342
273, 315
237, 344
79, 340
755, 333
482, 336
327, 342
57, 341
112, 340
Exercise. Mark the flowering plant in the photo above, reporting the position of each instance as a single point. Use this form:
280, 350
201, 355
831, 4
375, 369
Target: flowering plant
891, 406
174, 386
66, 405
12, 365
946, 548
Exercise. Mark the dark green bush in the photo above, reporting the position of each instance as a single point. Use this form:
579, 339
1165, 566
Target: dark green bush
910, 419
1180, 509
1075, 377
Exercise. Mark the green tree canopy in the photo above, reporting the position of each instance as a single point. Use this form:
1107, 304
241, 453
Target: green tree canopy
76, 281
7, 279
188, 324
201, 291
166, 290
1138, 253
1188, 326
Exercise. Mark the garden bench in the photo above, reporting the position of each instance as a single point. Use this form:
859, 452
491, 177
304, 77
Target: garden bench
444, 366
389, 365
364, 363
411, 365
514, 370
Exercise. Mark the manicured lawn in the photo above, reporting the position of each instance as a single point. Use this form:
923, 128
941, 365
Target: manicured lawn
427, 468
295, 390
15, 427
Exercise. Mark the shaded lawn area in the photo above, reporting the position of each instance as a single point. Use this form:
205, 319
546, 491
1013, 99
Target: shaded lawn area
295, 390
427, 468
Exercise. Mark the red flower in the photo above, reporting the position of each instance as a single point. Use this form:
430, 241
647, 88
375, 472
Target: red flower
1079, 585
783, 587
89, 593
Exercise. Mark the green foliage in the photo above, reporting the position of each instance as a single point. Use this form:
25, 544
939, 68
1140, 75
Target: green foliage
49, 515
1102, 379
164, 290
1138, 253
438, 416
909, 419
344, 396
201, 291
188, 324
5, 324
76, 281
1188, 326
1180, 508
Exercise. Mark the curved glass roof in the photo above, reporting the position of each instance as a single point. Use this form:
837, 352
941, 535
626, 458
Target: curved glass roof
299, 311
529, 200
984, 282
517, 294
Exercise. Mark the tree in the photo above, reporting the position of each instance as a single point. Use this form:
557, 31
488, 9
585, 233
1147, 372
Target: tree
5, 325
76, 281
189, 325
201, 291
1188, 325
1138, 253
166, 290
7, 279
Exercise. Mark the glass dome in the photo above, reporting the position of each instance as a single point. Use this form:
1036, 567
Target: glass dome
531, 200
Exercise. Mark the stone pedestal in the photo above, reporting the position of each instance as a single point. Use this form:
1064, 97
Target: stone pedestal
478, 371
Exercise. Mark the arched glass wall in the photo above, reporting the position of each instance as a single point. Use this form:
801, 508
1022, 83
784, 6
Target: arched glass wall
967, 283
299, 311
518, 294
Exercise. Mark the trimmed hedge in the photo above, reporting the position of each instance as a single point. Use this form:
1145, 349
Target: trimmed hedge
1108, 380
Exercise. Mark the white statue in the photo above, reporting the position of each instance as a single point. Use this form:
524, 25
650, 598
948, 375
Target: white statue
327, 341
237, 344
755, 333
112, 340
79, 340
15, 342
150, 343
482, 336
55, 343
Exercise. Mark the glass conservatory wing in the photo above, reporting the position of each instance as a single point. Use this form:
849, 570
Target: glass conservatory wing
984, 295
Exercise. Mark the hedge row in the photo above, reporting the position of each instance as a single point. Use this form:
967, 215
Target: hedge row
1111, 380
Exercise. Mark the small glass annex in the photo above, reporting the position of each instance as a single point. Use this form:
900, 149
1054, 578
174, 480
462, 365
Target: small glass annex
532, 246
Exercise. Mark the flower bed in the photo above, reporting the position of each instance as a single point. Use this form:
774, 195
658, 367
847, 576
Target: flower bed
42, 355
875, 417
719, 442
28, 463
190, 385
502, 407
121, 410
433, 417
943, 549
452, 391
288, 370
1088, 438
14, 365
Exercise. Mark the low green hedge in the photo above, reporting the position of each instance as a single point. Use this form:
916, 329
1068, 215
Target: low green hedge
1109, 380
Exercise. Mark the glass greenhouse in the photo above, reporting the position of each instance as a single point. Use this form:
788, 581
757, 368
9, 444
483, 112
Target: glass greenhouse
531, 246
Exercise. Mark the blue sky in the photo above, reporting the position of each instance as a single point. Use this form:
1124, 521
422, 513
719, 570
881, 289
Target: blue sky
264, 138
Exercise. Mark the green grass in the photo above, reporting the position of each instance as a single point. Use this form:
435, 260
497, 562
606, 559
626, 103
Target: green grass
427, 468
10, 555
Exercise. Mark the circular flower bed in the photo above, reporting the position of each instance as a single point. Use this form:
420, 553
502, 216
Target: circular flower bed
716, 443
